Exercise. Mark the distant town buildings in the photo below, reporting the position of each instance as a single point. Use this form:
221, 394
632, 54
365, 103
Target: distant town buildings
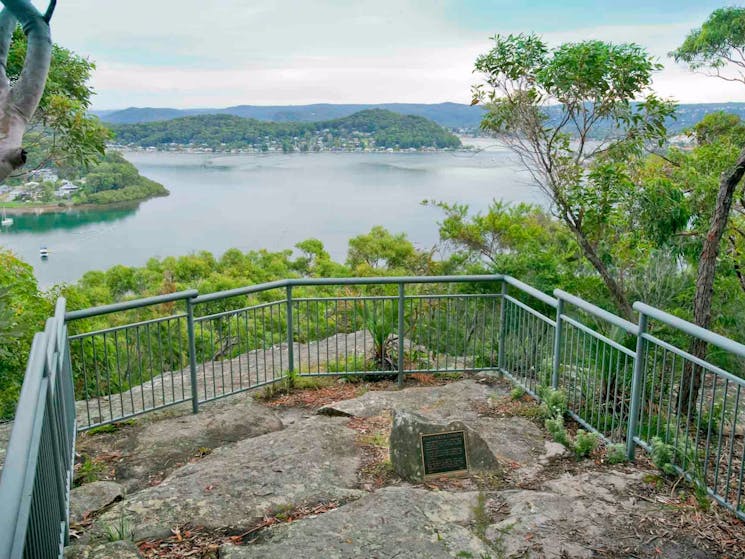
40, 186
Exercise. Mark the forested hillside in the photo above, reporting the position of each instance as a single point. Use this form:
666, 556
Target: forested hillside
371, 129
449, 115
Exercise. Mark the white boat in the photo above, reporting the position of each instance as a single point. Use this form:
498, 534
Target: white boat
44, 252
6, 221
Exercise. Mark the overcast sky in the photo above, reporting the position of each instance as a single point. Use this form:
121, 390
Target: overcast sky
216, 53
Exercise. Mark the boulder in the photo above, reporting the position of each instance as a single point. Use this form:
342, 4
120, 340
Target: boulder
406, 445
92, 497
447, 401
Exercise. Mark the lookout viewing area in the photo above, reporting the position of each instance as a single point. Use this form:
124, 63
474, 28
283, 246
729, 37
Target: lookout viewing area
440, 416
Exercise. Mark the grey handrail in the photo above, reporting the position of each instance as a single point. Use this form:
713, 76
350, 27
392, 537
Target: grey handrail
691, 329
306, 282
594, 310
133, 304
532, 291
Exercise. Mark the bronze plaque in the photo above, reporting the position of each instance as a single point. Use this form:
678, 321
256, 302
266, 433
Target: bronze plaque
444, 452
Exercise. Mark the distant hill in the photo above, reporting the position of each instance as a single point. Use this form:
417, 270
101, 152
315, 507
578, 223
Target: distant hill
449, 115
368, 129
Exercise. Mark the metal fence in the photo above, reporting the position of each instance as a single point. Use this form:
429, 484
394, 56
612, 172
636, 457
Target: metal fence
629, 383
35, 485
183, 347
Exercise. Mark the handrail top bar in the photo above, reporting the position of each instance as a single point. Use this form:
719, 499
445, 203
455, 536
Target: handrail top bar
532, 291
193, 294
691, 329
134, 304
306, 282
15, 470
241, 291
622, 323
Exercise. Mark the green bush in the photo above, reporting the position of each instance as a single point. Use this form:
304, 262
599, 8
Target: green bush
517, 393
615, 453
585, 443
555, 426
663, 456
553, 402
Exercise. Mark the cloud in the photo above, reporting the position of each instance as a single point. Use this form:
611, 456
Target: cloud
224, 52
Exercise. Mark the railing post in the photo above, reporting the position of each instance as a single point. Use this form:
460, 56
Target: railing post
557, 345
290, 334
636, 383
192, 356
502, 316
401, 302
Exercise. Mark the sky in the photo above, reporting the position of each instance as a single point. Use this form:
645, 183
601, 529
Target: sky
218, 53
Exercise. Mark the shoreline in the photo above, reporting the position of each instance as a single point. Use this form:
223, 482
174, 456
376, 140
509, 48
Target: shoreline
198, 151
56, 208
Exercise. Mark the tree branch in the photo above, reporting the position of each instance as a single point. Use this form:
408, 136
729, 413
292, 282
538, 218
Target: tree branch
8, 23
27, 91
50, 11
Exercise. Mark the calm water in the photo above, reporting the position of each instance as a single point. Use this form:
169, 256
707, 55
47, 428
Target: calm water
266, 201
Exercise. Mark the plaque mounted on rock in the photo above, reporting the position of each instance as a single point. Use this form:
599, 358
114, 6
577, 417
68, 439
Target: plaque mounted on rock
444, 453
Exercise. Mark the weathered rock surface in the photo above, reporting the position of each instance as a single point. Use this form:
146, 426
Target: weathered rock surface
513, 440
572, 516
92, 497
235, 486
406, 447
392, 522
112, 550
314, 459
153, 449
442, 402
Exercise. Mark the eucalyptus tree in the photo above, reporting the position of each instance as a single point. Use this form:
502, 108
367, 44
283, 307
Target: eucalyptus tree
716, 48
18, 101
576, 115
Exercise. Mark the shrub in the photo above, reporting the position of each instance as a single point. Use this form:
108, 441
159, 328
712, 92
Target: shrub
585, 443
553, 402
517, 393
615, 453
663, 456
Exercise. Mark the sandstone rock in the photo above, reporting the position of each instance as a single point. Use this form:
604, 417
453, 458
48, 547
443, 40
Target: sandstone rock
92, 497
570, 517
392, 522
234, 487
406, 447
112, 550
154, 449
448, 401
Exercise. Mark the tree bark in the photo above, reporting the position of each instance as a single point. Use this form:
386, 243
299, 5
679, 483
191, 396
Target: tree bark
691, 381
619, 297
19, 102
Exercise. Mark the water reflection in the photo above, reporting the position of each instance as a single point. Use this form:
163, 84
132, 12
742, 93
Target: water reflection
67, 220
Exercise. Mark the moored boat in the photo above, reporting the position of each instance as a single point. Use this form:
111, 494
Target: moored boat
6, 221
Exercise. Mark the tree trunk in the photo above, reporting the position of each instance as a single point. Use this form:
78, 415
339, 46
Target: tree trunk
19, 101
691, 381
622, 303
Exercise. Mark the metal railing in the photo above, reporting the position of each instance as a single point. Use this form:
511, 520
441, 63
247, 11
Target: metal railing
191, 348
35, 485
629, 383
